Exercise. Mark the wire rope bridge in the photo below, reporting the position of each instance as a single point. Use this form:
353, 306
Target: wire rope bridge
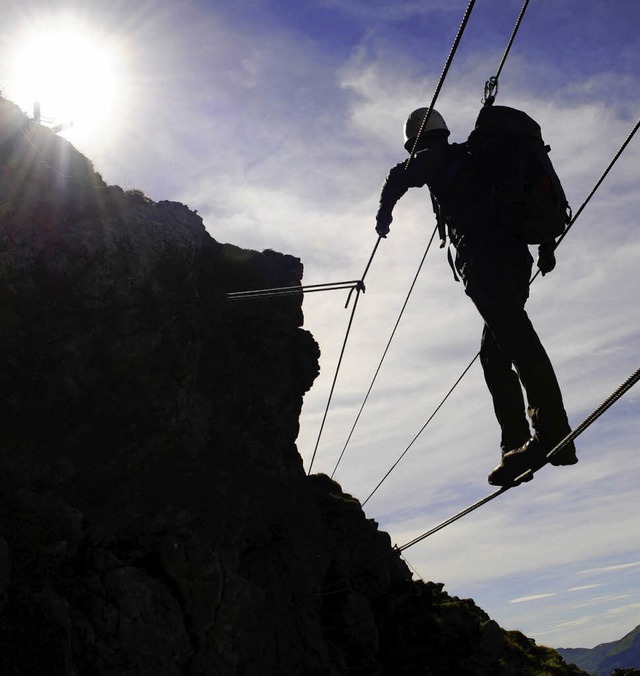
357, 286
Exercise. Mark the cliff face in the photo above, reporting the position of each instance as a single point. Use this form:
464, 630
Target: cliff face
155, 517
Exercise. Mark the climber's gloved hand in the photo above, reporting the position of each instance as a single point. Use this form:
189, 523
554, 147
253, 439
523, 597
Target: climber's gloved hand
546, 257
383, 221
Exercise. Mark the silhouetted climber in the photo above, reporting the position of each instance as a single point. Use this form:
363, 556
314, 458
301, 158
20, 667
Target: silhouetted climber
495, 265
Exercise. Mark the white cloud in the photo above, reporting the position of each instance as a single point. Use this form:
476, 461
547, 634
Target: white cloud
601, 600
535, 597
610, 569
624, 610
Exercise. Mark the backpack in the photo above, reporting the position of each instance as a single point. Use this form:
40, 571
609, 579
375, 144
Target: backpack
502, 175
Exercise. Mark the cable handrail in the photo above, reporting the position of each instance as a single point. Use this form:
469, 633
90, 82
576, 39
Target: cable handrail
291, 290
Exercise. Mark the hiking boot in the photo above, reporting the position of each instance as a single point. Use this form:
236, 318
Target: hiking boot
565, 456
532, 455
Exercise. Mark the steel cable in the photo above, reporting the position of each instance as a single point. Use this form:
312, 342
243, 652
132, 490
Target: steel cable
445, 71
491, 86
384, 354
358, 288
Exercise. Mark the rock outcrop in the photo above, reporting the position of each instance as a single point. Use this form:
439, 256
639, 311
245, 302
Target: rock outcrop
155, 517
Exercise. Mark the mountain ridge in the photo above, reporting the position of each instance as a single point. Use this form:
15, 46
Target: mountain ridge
605, 658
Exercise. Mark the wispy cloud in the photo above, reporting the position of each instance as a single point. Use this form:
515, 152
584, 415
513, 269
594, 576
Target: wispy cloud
584, 587
535, 597
624, 610
549, 633
610, 569
601, 600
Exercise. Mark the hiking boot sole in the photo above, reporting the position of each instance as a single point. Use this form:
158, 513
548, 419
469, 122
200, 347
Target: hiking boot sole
564, 457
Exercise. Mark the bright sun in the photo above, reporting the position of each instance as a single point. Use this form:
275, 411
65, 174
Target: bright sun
70, 71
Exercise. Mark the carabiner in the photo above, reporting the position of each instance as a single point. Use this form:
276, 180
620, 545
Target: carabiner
490, 91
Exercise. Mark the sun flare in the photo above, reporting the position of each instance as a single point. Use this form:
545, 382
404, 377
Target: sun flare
71, 71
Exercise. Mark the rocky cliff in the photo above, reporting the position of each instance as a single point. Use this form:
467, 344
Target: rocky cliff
155, 517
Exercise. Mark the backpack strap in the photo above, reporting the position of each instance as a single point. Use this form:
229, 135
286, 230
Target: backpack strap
440, 220
452, 265
442, 232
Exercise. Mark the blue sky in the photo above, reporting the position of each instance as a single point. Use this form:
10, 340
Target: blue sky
278, 122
